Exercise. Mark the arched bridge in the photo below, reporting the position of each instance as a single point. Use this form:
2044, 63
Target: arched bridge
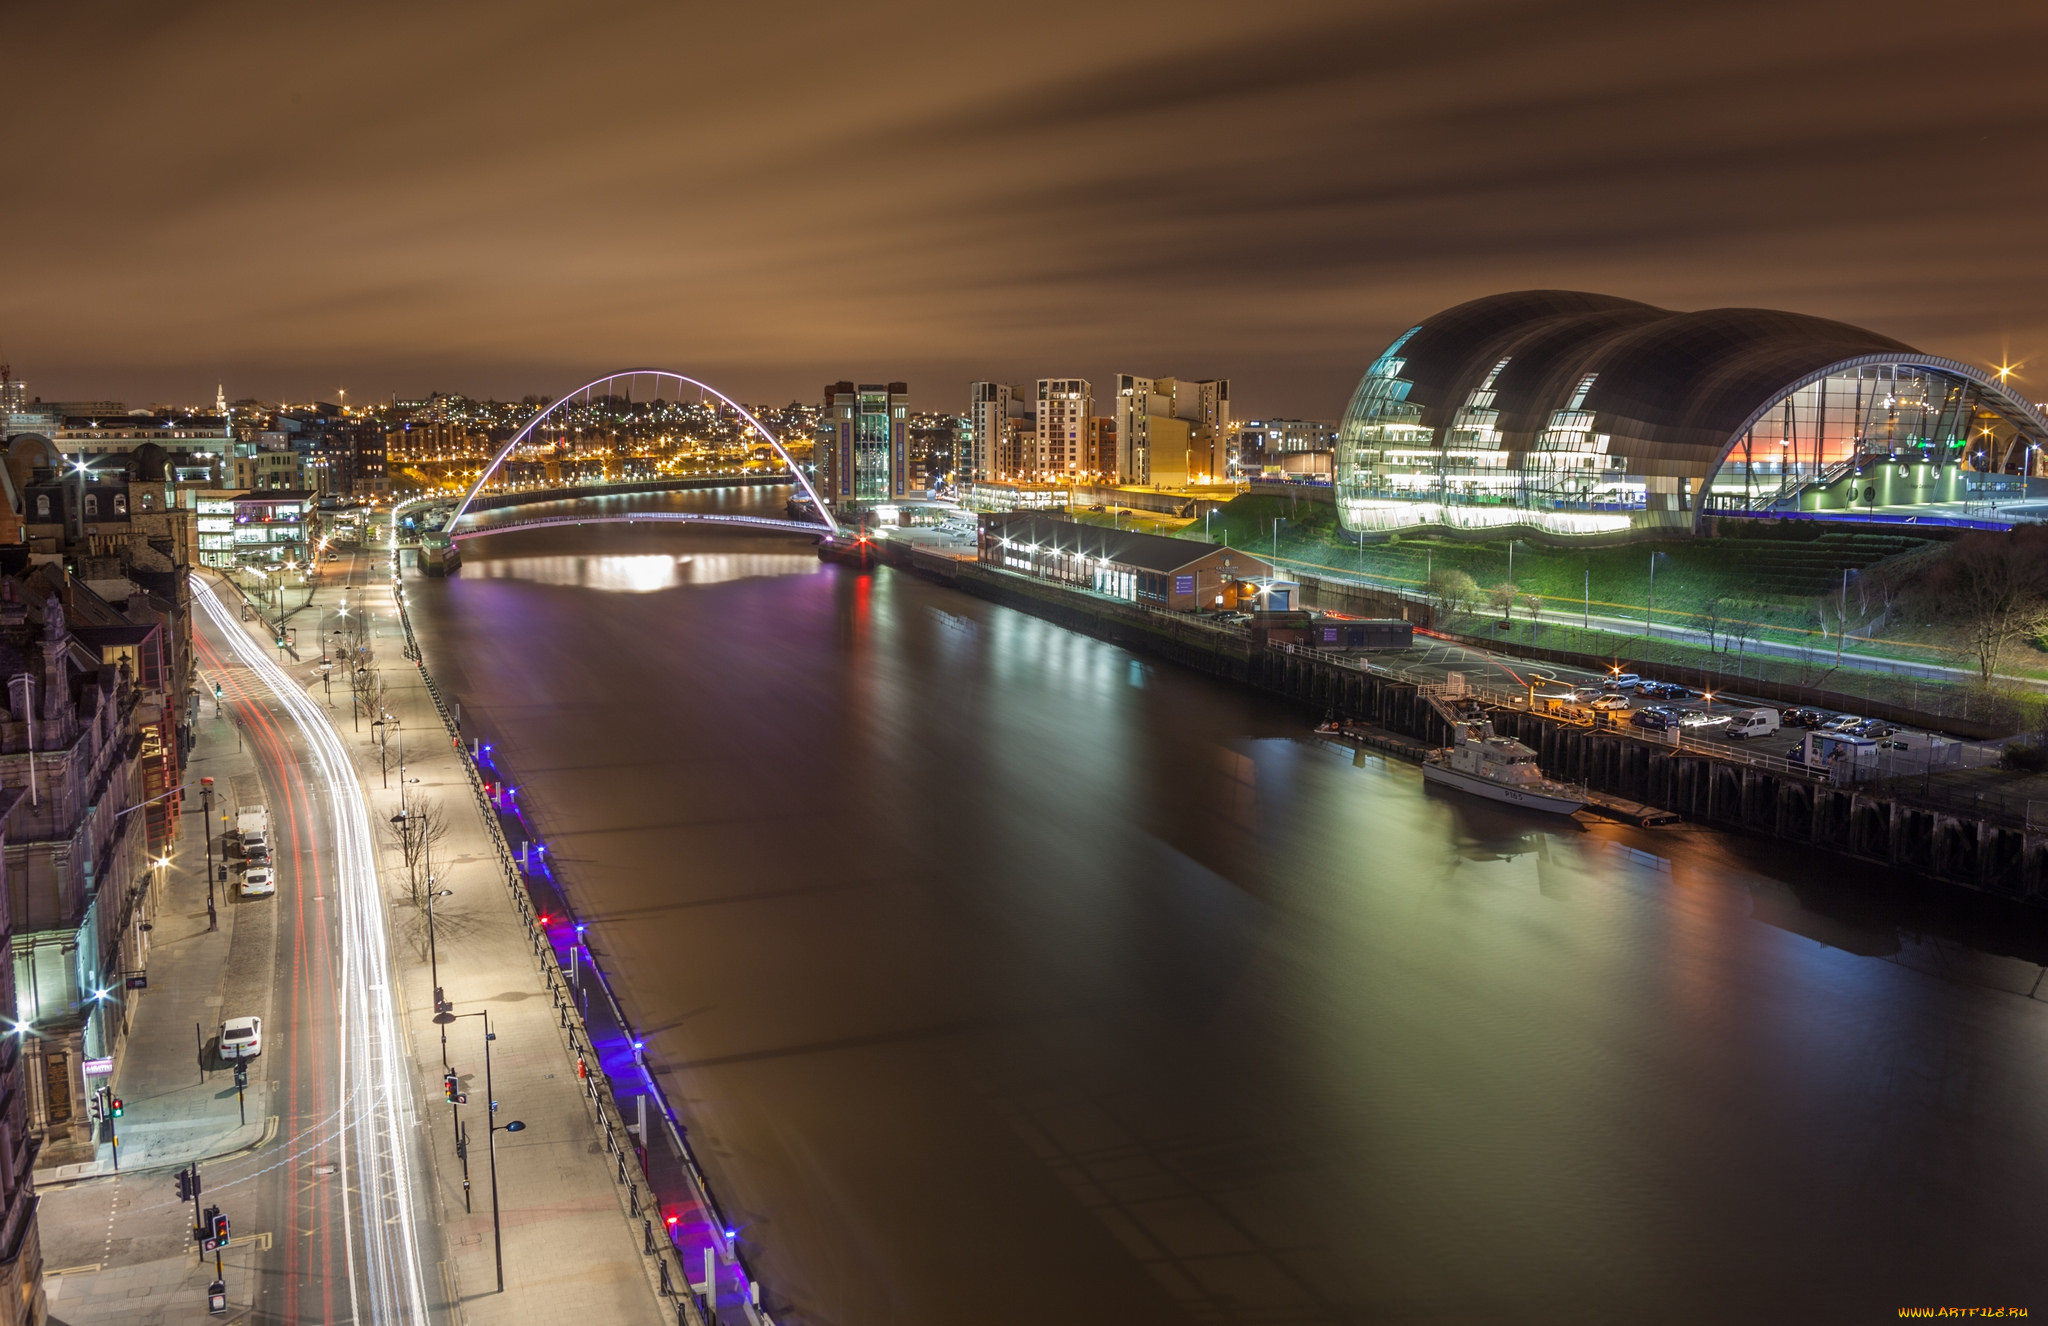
610, 385
811, 528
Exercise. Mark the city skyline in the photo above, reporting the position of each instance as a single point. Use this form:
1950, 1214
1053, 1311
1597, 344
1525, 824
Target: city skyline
1259, 196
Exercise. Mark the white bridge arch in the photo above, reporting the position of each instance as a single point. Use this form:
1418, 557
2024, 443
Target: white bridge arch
628, 375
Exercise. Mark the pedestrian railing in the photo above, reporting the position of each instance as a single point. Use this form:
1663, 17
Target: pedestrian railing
695, 1300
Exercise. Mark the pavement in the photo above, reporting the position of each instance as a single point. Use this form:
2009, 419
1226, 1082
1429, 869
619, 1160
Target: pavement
119, 1244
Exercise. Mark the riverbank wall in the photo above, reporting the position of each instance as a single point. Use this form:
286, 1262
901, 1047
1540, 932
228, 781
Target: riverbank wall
1986, 851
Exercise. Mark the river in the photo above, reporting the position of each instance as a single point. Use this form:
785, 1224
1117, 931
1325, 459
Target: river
1008, 977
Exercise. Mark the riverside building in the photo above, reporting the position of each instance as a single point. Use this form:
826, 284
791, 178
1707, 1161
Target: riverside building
1574, 413
862, 447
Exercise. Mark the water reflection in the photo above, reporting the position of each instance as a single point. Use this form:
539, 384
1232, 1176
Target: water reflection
1009, 978
641, 573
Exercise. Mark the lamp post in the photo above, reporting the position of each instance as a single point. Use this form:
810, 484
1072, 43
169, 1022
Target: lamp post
446, 1018
383, 768
206, 813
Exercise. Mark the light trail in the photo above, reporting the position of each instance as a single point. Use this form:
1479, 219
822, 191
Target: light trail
376, 1077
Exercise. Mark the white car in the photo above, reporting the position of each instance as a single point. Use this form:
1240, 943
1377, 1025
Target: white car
241, 1038
259, 882
1611, 702
1699, 719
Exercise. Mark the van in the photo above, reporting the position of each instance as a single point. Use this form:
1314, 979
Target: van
1753, 723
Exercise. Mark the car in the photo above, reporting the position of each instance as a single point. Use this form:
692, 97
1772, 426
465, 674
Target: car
1675, 691
260, 882
1875, 727
1699, 720
1841, 723
1096, 507
1623, 681
1656, 718
1611, 702
1649, 687
1807, 718
241, 1038
1587, 694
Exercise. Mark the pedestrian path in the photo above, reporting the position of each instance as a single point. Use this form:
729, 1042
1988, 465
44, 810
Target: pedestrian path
562, 1237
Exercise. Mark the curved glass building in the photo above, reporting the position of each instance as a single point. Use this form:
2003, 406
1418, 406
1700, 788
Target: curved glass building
1582, 414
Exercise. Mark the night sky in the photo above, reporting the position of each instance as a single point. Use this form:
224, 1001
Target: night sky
501, 198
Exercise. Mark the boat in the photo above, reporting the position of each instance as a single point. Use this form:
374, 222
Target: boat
1498, 768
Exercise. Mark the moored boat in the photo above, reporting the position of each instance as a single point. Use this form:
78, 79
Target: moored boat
1498, 768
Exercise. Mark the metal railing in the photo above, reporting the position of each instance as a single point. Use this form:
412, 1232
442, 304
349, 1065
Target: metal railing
640, 1201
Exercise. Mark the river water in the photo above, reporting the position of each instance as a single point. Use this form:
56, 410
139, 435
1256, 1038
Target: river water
1008, 977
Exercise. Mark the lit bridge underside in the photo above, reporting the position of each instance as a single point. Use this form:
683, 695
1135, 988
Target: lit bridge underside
805, 527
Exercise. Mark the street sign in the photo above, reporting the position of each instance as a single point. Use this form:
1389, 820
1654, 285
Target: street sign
139, 981
217, 1298
99, 1067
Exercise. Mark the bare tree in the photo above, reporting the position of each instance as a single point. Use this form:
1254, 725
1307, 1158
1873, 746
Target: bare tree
415, 834
1995, 588
1533, 605
1708, 619
1503, 597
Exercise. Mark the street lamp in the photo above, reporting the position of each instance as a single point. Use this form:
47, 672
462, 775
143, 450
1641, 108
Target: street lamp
446, 1018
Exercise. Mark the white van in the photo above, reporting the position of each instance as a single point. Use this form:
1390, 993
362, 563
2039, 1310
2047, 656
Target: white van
1753, 723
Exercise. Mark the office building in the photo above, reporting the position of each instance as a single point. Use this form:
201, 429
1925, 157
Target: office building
997, 413
862, 452
1285, 447
1172, 432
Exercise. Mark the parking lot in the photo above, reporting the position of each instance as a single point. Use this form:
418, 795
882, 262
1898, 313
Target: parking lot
1653, 706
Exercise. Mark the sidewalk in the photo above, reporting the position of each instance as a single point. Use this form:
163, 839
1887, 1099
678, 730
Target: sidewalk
568, 1246
178, 1111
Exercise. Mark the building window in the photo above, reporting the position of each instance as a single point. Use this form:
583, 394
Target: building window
120, 504
42, 504
92, 504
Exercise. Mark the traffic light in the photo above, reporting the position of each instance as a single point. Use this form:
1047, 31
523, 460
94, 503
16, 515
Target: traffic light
448, 1085
217, 1226
241, 1074
118, 1108
185, 1193
92, 1106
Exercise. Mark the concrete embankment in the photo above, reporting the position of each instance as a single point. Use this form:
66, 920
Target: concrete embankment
1973, 849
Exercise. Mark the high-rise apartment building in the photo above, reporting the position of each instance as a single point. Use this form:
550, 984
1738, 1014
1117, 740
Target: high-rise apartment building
1171, 432
1101, 462
862, 451
1059, 445
995, 411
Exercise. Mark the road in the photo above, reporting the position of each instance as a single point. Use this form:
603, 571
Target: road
328, 1215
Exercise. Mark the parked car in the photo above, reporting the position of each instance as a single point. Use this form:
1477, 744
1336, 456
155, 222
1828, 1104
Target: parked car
1808, 718
1699, 720
1610, 702
1656, 718
1623, 681
1875, 727
241, 1038
260, 882
1674, 691
1588, 694
1841, 723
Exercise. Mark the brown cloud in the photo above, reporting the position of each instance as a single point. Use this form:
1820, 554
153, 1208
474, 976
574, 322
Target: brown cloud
495, 198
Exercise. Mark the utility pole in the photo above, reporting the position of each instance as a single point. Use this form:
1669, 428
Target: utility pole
1588, 623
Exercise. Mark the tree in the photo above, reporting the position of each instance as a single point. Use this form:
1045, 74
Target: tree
1453, 590
1533, 605
1994, 587
1503, 597
415, 836
1708, 619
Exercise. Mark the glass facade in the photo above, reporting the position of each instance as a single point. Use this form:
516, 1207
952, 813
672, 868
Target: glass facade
1937, 425
872, 447
1579, 414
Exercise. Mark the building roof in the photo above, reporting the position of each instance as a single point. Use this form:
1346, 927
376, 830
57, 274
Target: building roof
1144, 552
1688, 383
